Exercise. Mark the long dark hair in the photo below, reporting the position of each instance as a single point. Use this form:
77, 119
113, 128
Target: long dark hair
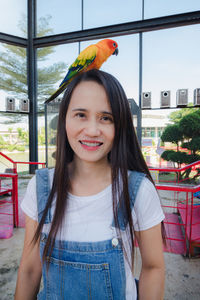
125, 155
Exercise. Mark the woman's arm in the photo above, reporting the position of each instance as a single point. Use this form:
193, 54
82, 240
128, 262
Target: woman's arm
30, 270
151, 282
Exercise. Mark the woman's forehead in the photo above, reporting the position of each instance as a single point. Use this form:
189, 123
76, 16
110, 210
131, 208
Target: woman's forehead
90, 94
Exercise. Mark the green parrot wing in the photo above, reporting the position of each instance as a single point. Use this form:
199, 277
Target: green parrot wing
85, 58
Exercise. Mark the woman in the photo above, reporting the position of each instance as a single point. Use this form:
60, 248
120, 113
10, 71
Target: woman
101, 199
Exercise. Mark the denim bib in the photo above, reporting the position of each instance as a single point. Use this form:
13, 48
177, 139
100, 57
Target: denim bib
84, 270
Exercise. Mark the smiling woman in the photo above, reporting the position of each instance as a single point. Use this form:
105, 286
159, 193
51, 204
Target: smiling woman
101, 198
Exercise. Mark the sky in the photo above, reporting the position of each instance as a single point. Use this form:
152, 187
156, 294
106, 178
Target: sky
170, 57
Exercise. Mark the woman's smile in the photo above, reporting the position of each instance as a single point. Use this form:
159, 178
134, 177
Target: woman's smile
90, 145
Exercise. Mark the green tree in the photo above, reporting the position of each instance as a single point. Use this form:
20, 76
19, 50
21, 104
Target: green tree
13, 70
41, 136
22, 136
187, 131
172, 134
176, 116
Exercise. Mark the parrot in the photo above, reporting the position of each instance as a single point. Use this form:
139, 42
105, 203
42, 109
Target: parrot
91, 57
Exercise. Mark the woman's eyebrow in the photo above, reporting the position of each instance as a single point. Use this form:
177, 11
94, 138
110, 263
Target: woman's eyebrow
101, 112
79, 109
106, 112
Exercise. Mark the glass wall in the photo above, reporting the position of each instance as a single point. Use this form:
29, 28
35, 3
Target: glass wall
170, 65
111, 12
54, 17
13, 17
171, 62
14, 106
14, 140
158, 8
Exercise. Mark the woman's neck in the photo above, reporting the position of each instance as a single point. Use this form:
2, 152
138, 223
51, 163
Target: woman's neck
84, 169
89, 178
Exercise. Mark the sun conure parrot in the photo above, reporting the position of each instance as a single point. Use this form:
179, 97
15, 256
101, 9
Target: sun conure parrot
90, 58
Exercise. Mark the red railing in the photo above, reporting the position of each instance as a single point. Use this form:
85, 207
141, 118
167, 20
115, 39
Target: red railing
182, 216
181, 209
14, 188
14, 192
15, 163
193, 166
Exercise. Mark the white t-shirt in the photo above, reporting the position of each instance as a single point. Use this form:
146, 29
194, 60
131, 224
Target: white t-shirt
89, 218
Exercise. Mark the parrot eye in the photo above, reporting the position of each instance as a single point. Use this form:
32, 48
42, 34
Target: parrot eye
114, 45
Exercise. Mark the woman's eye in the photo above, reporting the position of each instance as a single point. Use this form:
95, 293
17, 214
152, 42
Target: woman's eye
107, 119
80, 115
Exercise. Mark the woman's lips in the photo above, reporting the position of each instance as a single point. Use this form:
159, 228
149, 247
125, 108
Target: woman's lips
90, 145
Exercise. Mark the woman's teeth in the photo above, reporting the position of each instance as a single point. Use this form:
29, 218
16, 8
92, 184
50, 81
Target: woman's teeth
91, 144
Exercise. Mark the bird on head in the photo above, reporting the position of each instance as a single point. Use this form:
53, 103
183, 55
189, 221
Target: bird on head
91, 57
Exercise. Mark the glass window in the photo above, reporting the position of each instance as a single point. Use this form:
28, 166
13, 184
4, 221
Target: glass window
158, 8
58, 16
14, 140
41, 138
171, 62
124, 66
111, 12
53, 63
13, 77
13, 16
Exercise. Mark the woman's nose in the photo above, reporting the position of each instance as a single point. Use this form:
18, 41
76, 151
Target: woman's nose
92, 128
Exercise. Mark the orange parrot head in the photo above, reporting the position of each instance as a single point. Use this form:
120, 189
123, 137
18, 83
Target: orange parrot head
109, 45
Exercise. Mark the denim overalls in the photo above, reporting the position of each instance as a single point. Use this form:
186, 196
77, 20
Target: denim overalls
84, 270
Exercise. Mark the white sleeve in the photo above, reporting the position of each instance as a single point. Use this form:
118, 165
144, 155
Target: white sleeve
29, 202
147, 211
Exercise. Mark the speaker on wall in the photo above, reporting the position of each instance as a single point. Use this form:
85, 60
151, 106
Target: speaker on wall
146, 100
181, 97
24, 105
10, 104
165, 99
197, 97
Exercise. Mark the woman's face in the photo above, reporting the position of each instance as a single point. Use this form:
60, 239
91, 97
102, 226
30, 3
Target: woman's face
89, 123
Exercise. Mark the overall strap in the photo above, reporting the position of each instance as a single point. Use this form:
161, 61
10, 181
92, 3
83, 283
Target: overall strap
43, 190
134, 180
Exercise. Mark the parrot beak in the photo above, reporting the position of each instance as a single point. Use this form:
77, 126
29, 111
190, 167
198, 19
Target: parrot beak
116, 51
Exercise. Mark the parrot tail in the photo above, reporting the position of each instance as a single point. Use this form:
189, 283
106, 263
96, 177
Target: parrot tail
56, 94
